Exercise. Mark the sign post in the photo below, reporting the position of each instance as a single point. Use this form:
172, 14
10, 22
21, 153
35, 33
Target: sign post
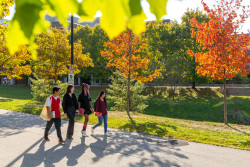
71, 75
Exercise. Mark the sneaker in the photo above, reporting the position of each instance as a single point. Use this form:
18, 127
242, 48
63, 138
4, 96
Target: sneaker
92, 131
84, 134
70, 138
107, 134
46, 139
60, 141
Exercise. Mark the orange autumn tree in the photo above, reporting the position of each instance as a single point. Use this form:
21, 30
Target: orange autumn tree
127, 53
225, 49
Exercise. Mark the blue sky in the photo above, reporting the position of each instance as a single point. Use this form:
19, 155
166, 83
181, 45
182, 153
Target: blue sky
175, 9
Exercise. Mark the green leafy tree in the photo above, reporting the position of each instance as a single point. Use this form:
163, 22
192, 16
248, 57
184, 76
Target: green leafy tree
118, 94
165, 44
191, 43
93, 39
176, 73
169, 39
173, 62
152, 36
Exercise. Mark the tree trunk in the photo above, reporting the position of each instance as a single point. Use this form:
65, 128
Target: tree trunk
193, 85
128, 100
26, 80
225, 102
152, 89
128, 91
235, 106
174, 93
194, 68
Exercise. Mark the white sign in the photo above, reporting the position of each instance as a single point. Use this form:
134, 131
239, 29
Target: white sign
71, 75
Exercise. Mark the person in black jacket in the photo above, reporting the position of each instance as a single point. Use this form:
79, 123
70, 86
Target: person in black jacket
84, 101
70, 107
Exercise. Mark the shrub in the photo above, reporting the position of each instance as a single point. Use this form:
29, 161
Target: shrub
118, 94
42, 88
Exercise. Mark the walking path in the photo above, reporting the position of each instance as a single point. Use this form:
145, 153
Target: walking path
22, 145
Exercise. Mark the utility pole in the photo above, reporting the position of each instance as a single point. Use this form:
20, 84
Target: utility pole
71, 68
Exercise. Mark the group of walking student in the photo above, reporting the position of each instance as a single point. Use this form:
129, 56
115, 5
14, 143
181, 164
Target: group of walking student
71, 106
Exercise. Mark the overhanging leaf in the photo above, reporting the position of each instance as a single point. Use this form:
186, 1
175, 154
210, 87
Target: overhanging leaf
135, 7
63, 8
23, 16
15, 37
114, 14
27, 21
158, 8
137, 23
89, 8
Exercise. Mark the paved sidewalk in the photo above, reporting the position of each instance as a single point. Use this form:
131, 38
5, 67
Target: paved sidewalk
21, 145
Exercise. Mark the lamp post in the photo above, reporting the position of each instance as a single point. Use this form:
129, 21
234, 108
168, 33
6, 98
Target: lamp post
71, 68
72, 37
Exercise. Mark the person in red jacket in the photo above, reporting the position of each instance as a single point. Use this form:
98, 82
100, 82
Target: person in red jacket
53, 104
101, 107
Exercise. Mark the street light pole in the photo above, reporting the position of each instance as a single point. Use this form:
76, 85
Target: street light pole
72, 37
71, 68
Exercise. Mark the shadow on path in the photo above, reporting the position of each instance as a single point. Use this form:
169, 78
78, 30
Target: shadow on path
147, 150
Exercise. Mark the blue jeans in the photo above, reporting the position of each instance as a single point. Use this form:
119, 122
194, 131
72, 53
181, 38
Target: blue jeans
105, 118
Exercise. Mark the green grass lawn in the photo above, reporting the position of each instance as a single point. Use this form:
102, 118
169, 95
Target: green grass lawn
196, 115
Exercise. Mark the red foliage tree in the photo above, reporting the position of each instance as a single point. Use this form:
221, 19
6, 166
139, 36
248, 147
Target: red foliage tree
225, 48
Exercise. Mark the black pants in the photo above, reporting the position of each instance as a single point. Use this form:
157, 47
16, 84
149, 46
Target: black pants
57, 122
71, 116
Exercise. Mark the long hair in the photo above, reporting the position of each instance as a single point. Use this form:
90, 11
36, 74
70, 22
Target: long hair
85, 90
100, 94
69, 88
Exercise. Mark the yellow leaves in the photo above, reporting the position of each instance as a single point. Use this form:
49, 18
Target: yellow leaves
54, 53
14, 65
81, 60
149, 78
5, 7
